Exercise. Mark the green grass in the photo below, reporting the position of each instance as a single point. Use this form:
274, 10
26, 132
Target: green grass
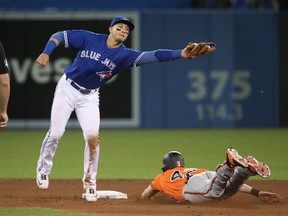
137, 154
36, 212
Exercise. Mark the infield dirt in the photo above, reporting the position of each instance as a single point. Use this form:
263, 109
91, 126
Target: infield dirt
66, 195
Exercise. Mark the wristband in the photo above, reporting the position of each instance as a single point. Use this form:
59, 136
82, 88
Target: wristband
255, 192
176, 54
50, 46
167, 55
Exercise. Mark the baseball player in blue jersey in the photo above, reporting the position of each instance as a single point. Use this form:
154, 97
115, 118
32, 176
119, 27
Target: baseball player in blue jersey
4, 87
100, 57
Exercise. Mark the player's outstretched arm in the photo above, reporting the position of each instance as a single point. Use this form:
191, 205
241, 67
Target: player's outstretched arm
191, 51
264, 196
148, 193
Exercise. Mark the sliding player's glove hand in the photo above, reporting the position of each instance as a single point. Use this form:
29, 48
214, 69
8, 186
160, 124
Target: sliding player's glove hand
265, 196
193, 50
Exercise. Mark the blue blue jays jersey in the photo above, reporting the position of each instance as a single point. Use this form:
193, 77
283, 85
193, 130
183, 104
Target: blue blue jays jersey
95, 62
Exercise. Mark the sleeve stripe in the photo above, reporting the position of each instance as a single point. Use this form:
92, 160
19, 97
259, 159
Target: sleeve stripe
137, 59
65, 39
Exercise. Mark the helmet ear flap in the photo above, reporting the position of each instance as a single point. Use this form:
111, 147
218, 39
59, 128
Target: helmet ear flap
172, 159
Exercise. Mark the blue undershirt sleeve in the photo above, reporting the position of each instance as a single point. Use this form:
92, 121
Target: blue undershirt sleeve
160, 55
51, 45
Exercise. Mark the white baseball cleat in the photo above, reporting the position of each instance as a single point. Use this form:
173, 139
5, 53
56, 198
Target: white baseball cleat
42, 181
90, 195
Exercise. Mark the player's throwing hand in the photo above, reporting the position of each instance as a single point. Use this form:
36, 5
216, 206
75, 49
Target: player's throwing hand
43, 59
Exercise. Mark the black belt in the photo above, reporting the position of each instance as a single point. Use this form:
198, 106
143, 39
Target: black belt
81, 90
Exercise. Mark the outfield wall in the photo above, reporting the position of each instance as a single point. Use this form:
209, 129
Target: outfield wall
237, 86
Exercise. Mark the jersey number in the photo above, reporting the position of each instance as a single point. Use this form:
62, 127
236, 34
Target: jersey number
176, 175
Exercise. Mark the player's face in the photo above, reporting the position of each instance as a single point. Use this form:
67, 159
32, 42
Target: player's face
120, 32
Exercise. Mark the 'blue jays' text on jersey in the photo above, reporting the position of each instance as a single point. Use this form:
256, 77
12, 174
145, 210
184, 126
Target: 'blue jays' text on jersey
95, 62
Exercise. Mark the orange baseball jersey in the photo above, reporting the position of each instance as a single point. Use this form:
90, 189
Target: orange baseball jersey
171, 182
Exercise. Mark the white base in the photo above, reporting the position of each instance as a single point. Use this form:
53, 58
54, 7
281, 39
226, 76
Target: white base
108, 194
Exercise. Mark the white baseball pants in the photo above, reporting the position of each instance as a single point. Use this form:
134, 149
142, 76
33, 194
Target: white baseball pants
66, 100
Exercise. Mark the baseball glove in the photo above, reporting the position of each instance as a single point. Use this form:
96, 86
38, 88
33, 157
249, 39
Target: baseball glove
193, 50
268, 197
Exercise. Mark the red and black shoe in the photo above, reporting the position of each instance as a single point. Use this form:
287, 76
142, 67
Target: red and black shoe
257, 167
233, 159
